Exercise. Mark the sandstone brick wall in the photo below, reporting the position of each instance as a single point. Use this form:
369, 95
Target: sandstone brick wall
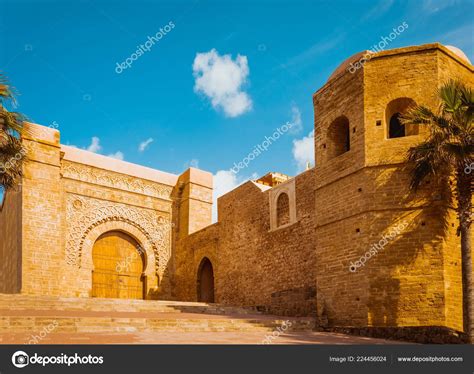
190, 251
337, 211
254, 266
193, 201
42, 238
415, 280
65, 205
10, 243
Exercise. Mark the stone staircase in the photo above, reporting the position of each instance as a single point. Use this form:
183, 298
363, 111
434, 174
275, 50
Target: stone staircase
33, 314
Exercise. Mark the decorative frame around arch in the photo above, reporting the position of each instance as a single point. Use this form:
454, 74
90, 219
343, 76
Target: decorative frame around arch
88, 218
128, 229
290, 189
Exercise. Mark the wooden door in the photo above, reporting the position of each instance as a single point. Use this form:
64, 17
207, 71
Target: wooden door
206, 282
118, 267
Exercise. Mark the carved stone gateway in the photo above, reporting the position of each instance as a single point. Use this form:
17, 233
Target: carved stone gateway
84, 214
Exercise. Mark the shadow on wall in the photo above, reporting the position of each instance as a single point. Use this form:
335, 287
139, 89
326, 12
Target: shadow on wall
406, 280
403, 282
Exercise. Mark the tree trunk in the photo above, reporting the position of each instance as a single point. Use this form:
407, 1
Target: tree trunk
464, 214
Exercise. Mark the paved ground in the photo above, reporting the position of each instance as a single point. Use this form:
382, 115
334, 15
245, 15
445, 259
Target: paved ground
20, 318
161, 315
193, 338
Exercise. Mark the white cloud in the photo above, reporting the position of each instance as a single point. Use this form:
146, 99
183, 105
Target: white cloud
144, 145
303, 151
95, 145
296, 122
96, 148
221, 78
117, 155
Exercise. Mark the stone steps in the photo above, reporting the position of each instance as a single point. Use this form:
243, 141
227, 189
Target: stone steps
26, 302
42, 325
42, 315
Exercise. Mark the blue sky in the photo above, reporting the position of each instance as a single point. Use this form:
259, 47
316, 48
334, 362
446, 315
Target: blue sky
62, 58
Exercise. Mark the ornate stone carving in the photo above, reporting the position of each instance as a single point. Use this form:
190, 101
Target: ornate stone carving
115, 180
85, 213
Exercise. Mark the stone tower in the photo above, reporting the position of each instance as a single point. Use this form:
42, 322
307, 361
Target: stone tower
384, 256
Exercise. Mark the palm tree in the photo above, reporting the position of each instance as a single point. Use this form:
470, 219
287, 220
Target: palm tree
12, 151
448, 150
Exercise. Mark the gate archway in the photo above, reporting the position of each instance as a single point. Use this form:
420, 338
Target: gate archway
118, 264
205, 281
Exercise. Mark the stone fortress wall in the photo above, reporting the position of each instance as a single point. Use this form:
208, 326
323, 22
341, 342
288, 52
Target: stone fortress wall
286, 246
360, 196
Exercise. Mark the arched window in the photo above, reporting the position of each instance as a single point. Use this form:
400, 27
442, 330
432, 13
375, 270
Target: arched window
396, 129
283, 210
393, 112
283, 205
339, 139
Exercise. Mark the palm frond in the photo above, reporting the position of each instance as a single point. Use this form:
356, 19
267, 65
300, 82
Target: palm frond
421, 115
12, 156
425, 161
11, 121
7, 92
466, 95
450, 97
457, 153
450, 143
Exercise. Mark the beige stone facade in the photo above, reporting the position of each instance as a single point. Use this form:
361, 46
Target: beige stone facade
281, 245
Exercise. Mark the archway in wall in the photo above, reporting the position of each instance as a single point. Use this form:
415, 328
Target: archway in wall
205, 281
338, 137
393, 113
118, 267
